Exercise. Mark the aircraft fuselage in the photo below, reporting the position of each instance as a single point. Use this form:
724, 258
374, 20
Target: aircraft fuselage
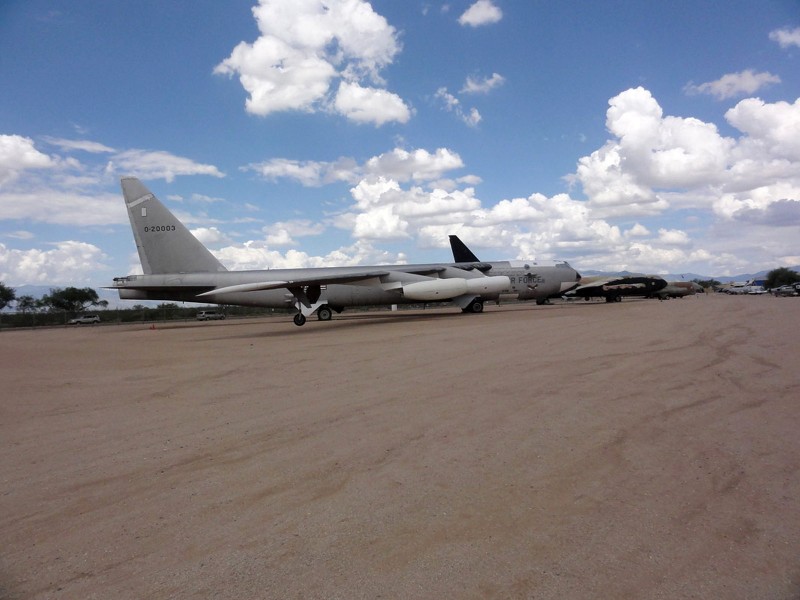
526, 282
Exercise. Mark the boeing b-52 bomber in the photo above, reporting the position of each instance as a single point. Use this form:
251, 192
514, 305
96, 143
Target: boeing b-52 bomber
178, 267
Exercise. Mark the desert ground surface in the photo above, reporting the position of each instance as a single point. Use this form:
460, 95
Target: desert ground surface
641, 449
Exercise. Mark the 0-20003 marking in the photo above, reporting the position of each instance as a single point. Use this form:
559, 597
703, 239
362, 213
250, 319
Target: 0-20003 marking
155, 228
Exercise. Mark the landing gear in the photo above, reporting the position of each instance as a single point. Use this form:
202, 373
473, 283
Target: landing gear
299, 319
324, 313
476, 306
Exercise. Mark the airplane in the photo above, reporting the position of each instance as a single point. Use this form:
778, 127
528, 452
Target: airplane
679, 289
178, 267
536, 285
615, 287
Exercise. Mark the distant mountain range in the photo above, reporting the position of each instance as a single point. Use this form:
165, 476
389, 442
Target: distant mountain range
691, 276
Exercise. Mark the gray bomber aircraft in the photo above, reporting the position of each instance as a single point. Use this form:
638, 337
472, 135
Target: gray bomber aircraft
178, 267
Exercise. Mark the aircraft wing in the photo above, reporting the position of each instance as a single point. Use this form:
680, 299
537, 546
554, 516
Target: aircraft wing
366, 277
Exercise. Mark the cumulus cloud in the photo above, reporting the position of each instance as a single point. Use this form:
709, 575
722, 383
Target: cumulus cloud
210, 235
283, 233
18, 154
68, 262
482, 12
655, 162
786, 37
650, 152
734, 84
370, 105
257, 254
780, 213
417, 165
476, 85
773, 130
305, 46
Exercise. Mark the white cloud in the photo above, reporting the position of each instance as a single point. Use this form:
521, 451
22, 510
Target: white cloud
401, 165
370, 105
283, 233
157, 165
734, 84
772, 129
304, 46
309, 173
638, 230
68, 262
482, 12
210, 235
650, 152
453, 104
58, 206
673, 237
17, 154
417, 165
786, 37
258, 255
474, 85
84, 145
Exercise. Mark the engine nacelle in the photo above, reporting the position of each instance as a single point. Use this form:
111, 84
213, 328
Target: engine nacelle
488, 285
444, 289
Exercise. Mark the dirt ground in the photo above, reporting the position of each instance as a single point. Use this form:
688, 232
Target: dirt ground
642, 449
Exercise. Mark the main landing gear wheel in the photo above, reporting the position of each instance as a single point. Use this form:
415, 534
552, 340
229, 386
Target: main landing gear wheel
299, 319
324, 313
476, 306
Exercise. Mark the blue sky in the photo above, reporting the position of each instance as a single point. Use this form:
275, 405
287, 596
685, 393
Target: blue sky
653, 136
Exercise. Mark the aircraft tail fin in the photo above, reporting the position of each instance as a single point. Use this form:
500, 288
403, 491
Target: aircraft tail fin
165, 245
461, 254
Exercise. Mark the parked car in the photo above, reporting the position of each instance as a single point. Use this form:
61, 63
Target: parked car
210, 315
85, 320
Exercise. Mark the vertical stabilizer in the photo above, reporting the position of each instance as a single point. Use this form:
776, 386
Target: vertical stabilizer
165, 245
461, 254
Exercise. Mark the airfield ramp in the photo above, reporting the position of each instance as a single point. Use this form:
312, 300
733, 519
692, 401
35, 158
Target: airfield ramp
635, 450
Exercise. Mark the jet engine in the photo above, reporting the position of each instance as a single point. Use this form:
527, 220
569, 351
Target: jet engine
445, 289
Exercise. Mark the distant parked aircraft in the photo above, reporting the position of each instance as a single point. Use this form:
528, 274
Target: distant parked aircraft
178, 267
679, 289
614, 288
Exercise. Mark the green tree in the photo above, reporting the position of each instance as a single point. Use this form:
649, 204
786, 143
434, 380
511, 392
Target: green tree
28, 304
781, 276
72, 299
7, 295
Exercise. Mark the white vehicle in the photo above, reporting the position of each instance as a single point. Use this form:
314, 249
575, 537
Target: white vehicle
210, 315
85, 320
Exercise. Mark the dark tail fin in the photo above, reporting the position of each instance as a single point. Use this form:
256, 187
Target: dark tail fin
165, 245
461, 254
